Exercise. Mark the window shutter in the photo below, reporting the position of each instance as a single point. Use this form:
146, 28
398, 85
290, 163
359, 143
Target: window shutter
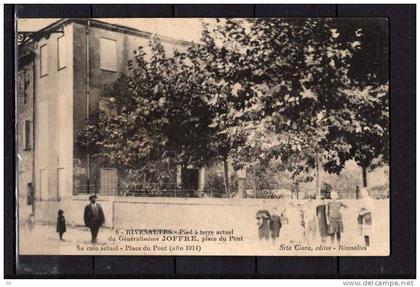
109, 181
43, 60
27, 135
108, 54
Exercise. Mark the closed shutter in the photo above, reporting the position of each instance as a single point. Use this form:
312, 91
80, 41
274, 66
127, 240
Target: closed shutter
62, 53
27, 135
43, 60
108, 54
109, 181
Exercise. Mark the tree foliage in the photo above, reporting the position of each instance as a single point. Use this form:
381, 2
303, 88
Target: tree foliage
156, 113
286, 92
252, 90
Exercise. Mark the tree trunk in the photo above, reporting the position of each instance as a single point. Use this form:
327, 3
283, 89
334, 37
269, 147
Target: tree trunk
226, 175
317, 187
364, 176
183, 169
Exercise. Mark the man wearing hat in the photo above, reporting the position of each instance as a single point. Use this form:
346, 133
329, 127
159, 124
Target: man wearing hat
94, 217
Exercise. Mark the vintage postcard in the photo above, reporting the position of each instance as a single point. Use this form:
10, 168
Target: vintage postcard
229, 136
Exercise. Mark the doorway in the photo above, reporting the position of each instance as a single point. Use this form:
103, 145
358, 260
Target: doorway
190, 178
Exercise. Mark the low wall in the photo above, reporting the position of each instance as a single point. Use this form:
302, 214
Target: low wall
122, 212
199, 214
176, 213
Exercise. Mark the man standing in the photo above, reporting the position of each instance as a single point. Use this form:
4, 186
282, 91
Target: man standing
94, 217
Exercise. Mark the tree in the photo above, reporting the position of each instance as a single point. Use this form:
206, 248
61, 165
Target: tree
254, 90
287, 89
326, 189
156, 113
369, 73
369, 138
281, 86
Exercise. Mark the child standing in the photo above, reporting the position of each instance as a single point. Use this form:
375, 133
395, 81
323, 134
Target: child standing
364, 218
61, 224
364, 221
334, 218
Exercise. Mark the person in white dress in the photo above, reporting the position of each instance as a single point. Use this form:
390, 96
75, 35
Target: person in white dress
292, 224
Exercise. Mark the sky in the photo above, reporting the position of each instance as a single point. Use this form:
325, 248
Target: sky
188, 29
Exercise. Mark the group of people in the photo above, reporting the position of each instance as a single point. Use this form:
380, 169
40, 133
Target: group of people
296, 223
93, 217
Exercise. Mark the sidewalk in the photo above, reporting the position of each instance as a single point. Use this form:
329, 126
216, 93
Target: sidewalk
43, 238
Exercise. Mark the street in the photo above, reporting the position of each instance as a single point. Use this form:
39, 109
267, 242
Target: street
39, 238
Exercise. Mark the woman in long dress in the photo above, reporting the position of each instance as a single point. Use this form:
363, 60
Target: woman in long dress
292, 229
310, 222
263, 219
322, 220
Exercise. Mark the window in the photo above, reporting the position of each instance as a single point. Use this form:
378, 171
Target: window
108, 54
21, 83
26, 85
190, 178
30, 194
43, 60
61, 52
27, 135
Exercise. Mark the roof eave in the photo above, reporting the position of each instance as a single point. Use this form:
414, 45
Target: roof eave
109, 26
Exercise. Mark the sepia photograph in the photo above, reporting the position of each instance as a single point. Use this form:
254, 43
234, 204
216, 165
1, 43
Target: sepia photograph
203, 136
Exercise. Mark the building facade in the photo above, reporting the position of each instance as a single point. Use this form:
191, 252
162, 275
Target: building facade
63, 70
25, 120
